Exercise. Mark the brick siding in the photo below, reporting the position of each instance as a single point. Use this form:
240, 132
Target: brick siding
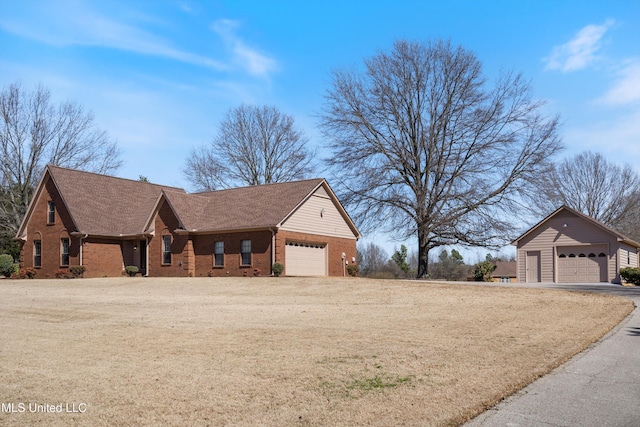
165, 225
191, 255
335, 246
260, 253
103, 258
49, 234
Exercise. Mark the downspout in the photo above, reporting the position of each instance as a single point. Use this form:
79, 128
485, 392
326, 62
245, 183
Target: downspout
555, 265
617, 277
146, 257
81, 239
273, 248
344, 260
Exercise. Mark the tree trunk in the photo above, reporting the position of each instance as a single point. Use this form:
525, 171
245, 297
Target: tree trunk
423, 255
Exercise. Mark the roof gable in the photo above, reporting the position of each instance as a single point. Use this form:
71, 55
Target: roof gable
253, 207
103, 205
563, 210
45, 180
258, 206
333, 218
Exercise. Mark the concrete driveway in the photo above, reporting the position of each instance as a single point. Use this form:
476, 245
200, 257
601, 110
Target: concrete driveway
598, 387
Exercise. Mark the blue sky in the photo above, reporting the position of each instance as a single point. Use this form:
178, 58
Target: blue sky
159, 75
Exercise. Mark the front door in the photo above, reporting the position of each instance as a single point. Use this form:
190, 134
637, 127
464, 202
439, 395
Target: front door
533, 266
143, 257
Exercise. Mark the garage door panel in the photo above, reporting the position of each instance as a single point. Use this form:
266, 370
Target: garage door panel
580, 264
305, 259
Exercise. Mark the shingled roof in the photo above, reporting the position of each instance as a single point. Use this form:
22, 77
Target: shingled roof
505, 269
104, 205
257, 206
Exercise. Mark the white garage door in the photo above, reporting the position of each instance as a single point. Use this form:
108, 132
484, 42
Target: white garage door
582, 264
305, 259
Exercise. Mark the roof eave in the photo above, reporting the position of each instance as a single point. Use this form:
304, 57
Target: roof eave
197, 231
111, 236
619, 237
523, 235
629, 242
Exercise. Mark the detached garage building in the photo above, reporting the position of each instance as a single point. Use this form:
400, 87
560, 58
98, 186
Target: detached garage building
570, 247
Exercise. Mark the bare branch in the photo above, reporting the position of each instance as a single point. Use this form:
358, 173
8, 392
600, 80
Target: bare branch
255, 145
590, 184
423, 145
33, 133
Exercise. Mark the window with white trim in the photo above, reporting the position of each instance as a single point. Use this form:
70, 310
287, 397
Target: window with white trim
37, 253
166, 249
51, 212
218, 254
64, 252
245, 252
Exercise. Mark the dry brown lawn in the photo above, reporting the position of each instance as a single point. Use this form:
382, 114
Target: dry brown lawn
280, 352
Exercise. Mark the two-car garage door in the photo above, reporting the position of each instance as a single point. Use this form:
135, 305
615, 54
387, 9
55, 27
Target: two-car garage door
305, 259
582, 264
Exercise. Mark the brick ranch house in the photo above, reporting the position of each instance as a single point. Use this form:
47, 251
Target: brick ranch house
106, 223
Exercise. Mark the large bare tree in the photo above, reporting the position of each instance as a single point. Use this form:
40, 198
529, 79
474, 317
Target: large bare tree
424, 146
255, 145
35, 132
591, 184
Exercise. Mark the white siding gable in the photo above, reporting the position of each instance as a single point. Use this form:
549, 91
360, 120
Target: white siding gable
318, 215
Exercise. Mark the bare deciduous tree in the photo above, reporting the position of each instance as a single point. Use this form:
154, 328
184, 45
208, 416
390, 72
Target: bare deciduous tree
588, 183
255, 145
371, 259
423, 146
33, 133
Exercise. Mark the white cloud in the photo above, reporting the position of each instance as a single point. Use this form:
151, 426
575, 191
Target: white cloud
626, 90
248, 58
79, 25
579, 52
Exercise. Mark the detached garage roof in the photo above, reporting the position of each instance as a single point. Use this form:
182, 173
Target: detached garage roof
619, 237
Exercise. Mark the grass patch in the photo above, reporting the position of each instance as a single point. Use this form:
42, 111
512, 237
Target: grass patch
377, 382
301, 351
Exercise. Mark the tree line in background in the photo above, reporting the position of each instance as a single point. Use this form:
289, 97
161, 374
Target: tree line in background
588, 183
375, 262
422, 144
